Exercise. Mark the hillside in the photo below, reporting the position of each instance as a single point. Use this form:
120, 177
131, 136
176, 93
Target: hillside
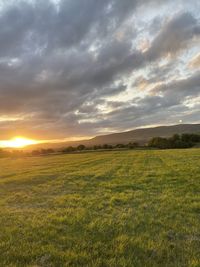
143, 135
138, 135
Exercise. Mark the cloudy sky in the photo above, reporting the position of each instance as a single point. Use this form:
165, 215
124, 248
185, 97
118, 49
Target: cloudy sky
77, 68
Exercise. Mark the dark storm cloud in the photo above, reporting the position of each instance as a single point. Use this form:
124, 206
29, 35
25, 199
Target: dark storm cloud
174, 35
60, 63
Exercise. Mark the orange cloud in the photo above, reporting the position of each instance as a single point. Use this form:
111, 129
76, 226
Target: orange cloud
195, 62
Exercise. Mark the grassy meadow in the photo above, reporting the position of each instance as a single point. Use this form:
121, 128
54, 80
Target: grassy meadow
117, 208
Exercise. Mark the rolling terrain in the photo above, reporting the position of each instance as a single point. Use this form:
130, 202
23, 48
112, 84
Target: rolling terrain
144, 134
141, 136
125, 209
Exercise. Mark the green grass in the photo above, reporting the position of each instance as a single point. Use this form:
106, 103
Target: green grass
127, 208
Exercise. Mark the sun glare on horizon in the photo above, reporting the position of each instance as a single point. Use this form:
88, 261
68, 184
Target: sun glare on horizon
17, 142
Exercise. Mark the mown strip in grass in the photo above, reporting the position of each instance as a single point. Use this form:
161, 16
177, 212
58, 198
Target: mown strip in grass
122, 208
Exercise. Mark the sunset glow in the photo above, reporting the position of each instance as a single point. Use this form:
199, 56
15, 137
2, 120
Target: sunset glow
17, 142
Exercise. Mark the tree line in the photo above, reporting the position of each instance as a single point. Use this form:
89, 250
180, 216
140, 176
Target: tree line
176, 141
100, 147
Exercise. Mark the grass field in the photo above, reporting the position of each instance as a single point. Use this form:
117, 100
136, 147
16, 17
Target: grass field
128, 208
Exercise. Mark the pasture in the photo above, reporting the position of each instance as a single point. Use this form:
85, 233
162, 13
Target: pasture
105, 209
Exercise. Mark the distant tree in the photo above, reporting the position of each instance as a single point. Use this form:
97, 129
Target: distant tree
71, 148
175, 137
132, 145
68, 149
193, 138
44, 151
80, 147
120, 146
96, 147
105, 146
186, 137
176, 141
159, 142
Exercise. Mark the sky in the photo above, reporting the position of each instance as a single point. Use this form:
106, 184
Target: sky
79, 68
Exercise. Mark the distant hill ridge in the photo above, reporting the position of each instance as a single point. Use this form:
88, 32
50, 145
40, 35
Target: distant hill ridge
142, 136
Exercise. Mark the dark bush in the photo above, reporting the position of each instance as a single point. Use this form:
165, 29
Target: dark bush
176, 141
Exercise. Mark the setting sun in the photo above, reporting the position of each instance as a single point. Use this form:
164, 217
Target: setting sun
17, 142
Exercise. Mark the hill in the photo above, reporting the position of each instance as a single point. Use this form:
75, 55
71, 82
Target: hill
141, 136
144, 134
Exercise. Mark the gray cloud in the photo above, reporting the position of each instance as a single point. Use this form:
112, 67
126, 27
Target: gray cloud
174, 35
59, 64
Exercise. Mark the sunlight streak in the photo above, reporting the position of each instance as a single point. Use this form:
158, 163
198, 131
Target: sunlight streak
17, 142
